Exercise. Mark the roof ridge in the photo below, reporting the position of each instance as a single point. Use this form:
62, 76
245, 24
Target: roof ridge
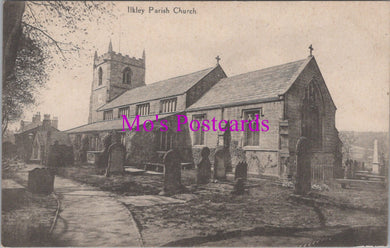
266, 68
297, 73
185, 75
203, 73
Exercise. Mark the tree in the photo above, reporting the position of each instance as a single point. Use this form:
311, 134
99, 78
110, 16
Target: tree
348, 139
29, 46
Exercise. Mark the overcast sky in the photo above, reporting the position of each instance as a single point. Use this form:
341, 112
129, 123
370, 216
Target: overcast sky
350, 40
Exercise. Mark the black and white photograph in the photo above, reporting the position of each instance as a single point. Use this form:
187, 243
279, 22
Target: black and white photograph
195, 124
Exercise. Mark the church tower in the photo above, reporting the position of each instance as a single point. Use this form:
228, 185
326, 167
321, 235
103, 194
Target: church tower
113, 74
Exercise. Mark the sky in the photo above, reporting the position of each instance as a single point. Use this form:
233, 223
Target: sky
350, 39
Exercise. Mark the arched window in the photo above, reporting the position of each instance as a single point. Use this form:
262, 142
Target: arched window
311, 115
100, 76
127, 76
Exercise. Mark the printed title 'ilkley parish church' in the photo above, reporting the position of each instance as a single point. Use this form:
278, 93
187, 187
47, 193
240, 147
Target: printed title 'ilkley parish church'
293, 97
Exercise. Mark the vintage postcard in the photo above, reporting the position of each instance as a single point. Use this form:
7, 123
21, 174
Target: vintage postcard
216, 124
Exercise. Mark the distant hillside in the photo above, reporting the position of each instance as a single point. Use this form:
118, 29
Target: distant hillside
363, 143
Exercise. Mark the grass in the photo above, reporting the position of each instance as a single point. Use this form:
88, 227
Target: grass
26, 218
126, 184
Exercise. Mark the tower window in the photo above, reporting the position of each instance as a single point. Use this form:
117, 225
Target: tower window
127, 76
100, 76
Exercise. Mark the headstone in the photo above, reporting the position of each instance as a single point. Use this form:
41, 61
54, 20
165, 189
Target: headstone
303, 179
54, 156
116, 159
204, 167
172, 175
40, 181
83, 149
375, 160
101, 161
239, 187
241, 171
219, 165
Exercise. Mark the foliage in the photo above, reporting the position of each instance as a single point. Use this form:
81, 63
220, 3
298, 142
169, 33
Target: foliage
348, 139
29, 75
47, 35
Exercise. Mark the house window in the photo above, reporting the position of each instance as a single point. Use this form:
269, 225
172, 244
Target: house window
166, 140
100, 75
199, 135
108, 115
251, 138
168, 105
123, 111
94, 142
143, 109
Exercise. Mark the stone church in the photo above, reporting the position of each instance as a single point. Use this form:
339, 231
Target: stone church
293, 97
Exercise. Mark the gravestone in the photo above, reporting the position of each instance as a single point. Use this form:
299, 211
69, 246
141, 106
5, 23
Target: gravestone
241, 171
54, 156
303, 179
239, 187
172, 175
101, 161
219, 165
40, 181
83, 149
204, 167
116, 159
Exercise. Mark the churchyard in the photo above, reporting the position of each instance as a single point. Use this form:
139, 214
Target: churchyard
203, 213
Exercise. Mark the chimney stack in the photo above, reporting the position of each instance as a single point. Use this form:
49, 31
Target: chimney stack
54, 122
46, 122
36, 118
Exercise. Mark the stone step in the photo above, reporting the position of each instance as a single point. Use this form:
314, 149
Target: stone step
134, 171
154, 173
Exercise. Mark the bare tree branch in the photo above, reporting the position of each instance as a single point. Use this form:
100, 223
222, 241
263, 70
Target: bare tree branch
48, 36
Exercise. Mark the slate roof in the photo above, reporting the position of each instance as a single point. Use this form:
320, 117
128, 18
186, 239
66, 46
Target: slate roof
116, 124
257, 86
61, 137
166, 88
28, 125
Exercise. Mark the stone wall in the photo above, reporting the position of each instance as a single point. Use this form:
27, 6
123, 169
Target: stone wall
262, 159
112, 65
142, 146
293, 114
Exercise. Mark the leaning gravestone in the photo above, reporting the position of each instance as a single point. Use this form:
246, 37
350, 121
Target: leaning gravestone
116, 159
219, 165
303, 179
241, 171
204, 167
40, 181
172, 175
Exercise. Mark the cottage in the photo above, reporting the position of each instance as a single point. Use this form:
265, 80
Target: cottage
30, 139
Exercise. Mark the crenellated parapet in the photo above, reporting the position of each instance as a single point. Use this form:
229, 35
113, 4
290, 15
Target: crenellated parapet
118, 57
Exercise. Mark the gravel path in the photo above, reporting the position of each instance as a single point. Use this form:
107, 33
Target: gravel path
90, 217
